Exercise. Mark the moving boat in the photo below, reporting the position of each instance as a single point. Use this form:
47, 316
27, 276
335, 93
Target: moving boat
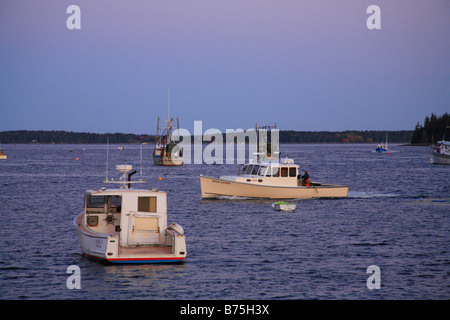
441, 151
268, 178
126, 225
164, 154
382, 148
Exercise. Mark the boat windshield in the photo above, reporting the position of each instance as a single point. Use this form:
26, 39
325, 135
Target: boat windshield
255, 169
262, 171
97, 203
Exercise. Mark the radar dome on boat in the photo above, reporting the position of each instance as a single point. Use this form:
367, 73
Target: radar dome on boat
288, 161
124, 168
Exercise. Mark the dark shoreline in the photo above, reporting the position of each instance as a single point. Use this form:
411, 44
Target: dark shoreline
285, 136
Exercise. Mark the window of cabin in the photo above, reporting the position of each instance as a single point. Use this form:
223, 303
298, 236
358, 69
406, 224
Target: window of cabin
293, 172
244, 169
255, 170
275, 172
249, 169
147, 204
284, 171
99, 204
116, 203
262, 171
96, 201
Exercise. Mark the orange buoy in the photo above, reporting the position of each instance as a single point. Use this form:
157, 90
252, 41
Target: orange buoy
159, 178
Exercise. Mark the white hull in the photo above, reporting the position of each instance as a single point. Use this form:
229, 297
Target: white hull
107, 247
216, 188
438, 158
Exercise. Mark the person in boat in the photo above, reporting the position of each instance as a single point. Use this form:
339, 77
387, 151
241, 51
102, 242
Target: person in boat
305, 178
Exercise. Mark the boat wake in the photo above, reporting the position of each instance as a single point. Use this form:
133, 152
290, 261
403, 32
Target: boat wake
371, 194
433, 201
232, 198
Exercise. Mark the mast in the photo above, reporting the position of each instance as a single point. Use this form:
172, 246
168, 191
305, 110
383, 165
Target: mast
107, 156
386, 139
157, 133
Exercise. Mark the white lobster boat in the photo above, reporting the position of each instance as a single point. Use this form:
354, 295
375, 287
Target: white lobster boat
268, 178
126, 225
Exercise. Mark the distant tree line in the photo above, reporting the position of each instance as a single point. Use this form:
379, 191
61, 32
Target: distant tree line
290, 136
432, 130
64, 137
287, 136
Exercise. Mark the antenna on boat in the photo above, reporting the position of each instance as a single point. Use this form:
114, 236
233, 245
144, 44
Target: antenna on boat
168, 103
107, 156
141, 161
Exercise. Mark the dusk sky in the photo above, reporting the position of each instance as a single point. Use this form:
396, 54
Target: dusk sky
308, 65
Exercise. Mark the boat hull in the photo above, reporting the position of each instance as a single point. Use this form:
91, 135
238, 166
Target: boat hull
167, 161
104, 247
216, 188
438, 158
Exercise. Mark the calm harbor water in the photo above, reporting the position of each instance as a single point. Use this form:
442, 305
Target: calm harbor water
237, 249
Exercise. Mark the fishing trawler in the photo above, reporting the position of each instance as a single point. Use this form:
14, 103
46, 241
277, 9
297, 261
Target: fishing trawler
125, 225
268, 177
440, 153
165, 153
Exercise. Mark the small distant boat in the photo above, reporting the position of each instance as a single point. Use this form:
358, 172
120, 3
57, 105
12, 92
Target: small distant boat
3, 156
120, 148
382, 148
165, 153
127, 225
284, 206
441, 151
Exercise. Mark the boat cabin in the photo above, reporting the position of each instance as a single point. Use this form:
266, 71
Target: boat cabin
137, 217
283, 174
